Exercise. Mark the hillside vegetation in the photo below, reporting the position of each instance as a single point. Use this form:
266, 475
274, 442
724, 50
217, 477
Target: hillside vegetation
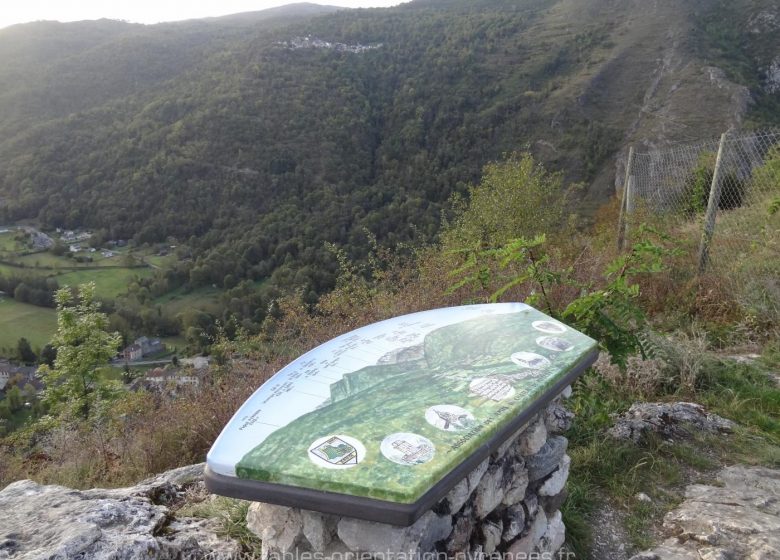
665, 332
252, 154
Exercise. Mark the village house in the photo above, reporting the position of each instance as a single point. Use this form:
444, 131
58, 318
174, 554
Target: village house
197, 363
133, 352
167, 380
162, 376
70, 235
19, 375
150, 346
143, 347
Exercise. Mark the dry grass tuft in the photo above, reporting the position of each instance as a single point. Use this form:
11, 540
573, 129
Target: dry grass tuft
642, 378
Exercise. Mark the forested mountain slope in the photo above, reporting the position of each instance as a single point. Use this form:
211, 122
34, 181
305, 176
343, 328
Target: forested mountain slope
254, 147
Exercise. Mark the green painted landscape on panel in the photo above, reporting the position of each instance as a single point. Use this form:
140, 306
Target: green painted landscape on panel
462, 375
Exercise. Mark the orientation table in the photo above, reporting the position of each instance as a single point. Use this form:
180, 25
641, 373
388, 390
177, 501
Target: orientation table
380, 423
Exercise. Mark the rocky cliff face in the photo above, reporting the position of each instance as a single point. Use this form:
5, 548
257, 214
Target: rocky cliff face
510, 503
40, 521
737, 517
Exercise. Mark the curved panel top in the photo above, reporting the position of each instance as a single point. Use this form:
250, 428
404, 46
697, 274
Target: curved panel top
387, 410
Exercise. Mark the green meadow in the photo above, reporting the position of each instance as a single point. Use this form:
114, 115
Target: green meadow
36, 324
109, 282
177, 301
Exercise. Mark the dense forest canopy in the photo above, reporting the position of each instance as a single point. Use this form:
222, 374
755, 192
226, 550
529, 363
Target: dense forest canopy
250, 153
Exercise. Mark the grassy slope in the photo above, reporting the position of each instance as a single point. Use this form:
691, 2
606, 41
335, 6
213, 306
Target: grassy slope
176, 301
49, 260
109, 283
37, 324
604, 470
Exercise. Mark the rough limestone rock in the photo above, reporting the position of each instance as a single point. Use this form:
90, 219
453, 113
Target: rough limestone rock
512, 443
490, 492
518, 483
554, 485
461, 533
555, 535
494, 508
739, 518
669, 420
548, 458
557, 419
551, 504
318, 529
461, 492
530, 541
337, 550
533, 439
367, 536
491, 534
279, 528
476, 475
40, 521
514, 521
531, 505
456, 498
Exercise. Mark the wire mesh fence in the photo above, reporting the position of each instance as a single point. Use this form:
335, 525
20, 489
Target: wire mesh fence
723, 193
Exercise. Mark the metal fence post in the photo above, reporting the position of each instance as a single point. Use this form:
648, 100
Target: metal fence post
712, 207
630, 203
621, 240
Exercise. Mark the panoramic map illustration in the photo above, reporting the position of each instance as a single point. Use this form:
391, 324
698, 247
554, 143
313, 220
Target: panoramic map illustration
387, 410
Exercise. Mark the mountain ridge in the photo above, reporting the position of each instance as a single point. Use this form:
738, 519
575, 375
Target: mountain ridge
255, 155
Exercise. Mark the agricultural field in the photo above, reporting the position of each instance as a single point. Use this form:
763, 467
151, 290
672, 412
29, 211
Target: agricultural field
109, 283
177, 301
47, 260
7, 242
160, 261
37, 324
113, 275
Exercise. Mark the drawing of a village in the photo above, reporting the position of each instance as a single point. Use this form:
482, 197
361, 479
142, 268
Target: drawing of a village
392, 429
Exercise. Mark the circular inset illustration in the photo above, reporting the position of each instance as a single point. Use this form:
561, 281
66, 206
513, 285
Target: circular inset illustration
449, 417
407, 449
336, 452
548, 327
554, 343
530, 360
493, 388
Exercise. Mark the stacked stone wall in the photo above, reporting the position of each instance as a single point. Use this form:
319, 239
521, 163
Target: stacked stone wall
509, 505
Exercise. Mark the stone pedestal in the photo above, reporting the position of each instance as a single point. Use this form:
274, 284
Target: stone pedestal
508, 504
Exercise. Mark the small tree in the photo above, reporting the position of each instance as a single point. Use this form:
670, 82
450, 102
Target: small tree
25, 352
73, 384
14, 398
59, 248
516, 198
5, 411
48, 355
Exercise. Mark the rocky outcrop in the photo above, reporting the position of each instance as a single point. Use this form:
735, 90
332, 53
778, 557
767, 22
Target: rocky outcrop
41, 521
669, 420
738, 517
508, 504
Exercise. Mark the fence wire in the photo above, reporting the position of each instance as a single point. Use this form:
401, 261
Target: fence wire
733, 206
